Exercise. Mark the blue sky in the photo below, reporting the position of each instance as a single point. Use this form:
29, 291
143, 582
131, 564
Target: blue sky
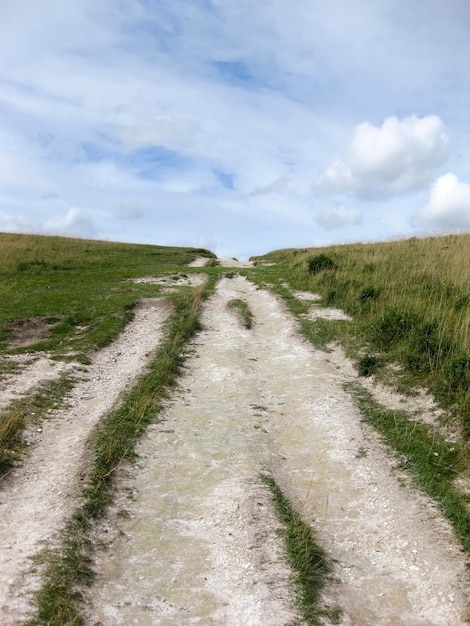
238, 126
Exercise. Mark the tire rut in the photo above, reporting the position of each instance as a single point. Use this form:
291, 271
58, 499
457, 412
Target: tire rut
39, 496
192, 536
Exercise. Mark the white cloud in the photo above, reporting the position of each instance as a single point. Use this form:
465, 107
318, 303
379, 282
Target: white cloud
337, 217
247, 101
14, 224
129, 210
448, 206
76, 222
162, 131
276, 186
396, 157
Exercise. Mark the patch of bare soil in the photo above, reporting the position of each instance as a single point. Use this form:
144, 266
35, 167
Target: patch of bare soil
38, 497
192, 537
27, 331
235, 263
199, 262
420, 405
177, 280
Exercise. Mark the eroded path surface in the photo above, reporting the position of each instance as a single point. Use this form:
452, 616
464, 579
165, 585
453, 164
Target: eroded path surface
192, 537
38, 497
42, 369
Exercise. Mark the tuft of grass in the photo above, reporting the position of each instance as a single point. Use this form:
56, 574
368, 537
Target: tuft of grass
243, 311
66, 570
307, 560
31, 409
68, 567
319, 263
367, 365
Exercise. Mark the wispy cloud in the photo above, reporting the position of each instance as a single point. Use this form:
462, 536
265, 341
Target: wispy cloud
210, 116
337, 217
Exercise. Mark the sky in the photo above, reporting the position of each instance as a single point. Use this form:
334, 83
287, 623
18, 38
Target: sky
233, 125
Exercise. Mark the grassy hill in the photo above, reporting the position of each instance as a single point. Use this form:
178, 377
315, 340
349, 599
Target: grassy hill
79, 291
410, 307
410, 303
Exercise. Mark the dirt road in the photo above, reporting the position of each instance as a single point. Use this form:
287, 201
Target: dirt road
38, 497
192, 536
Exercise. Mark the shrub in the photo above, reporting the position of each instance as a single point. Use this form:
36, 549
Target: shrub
369, 293
319, 263
394, 325
367, 365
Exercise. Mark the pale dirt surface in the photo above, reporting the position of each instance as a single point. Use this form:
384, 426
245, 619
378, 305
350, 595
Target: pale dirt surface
191, 539
235, 263
42, 369
187, 280
420, 405
200, 262
39, 496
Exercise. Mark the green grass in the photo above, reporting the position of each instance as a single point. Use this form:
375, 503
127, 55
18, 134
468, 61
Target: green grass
433, 463
306, 558
84, 289
31, 409
243, 311
85, 285
410, 303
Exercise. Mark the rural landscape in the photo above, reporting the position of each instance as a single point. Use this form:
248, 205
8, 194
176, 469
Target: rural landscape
192, 440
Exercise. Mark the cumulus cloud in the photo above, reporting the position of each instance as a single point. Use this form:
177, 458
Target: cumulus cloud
129, 210
448, 206
396, 157
337, 217
76, 222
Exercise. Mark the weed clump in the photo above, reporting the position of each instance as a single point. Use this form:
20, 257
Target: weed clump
369, 293
320, 262
367, 365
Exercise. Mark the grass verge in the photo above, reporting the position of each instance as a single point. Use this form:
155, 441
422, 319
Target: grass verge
433, 463
307, 560
67, 568
82, 292
410, 304
243, 311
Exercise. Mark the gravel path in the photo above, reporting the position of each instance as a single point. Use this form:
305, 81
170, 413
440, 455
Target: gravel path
38, 497
192, 537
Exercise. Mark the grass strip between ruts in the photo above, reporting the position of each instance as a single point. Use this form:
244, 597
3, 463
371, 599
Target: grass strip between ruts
243, 311
67, 568
307, 560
